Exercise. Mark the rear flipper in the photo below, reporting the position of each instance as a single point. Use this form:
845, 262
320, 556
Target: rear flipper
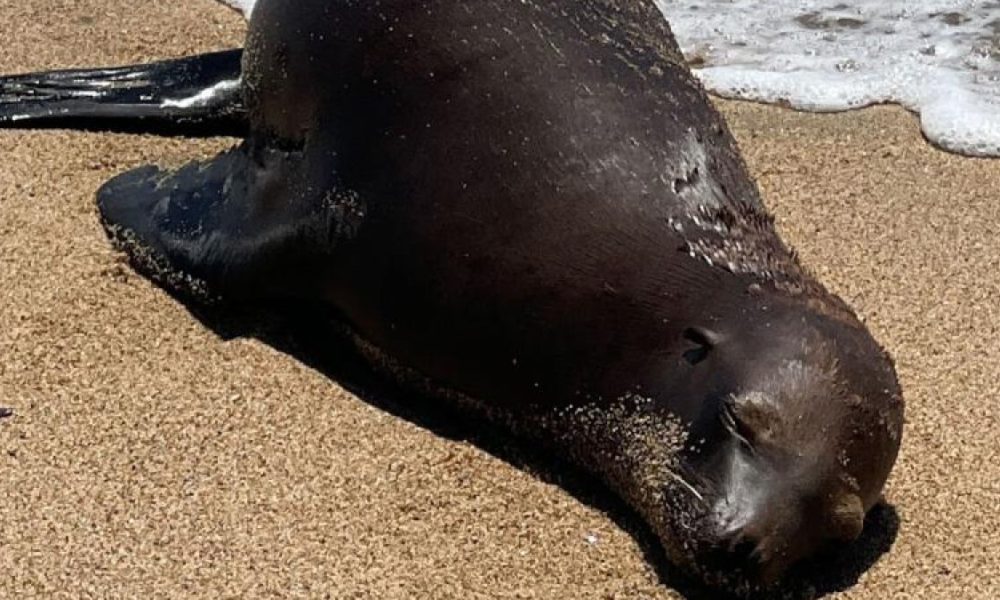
229, 228
196, 95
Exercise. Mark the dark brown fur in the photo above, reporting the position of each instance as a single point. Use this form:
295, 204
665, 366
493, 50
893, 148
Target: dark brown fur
533, 208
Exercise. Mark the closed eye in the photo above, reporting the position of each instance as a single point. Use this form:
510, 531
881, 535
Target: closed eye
743, 434
702, 346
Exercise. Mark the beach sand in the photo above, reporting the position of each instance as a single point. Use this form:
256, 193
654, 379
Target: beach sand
151, 457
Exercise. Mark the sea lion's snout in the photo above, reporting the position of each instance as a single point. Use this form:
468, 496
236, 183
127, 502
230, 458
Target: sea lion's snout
762, 526
795, 467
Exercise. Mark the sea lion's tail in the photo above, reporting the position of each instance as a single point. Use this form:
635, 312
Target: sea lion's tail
196, 95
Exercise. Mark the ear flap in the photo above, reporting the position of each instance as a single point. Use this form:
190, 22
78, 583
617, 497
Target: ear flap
847, 517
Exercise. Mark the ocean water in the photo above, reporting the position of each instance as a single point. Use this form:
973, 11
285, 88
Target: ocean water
938, 58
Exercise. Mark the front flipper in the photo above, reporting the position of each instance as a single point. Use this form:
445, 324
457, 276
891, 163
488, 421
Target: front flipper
235, 227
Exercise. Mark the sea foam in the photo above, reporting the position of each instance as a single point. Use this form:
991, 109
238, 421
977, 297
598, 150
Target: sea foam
244, 6
938, 58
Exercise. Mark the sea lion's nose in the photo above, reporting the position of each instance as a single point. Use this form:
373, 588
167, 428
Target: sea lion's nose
756, 557
737, 549
760, 561
770, 540
742, 556
745, 554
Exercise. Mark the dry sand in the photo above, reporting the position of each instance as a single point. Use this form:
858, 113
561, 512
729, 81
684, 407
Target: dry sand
149, 457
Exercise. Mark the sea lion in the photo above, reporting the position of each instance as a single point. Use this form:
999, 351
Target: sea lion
533, 209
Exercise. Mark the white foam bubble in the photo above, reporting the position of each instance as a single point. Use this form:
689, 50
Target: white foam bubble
244, 6
939, 58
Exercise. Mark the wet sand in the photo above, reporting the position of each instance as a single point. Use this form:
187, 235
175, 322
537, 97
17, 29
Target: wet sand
152, 457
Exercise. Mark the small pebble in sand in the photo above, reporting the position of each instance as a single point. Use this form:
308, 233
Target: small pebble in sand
6, 412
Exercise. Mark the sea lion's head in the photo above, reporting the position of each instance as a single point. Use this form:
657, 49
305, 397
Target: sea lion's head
791, 452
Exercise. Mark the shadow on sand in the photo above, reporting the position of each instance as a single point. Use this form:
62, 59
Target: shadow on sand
293, 330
